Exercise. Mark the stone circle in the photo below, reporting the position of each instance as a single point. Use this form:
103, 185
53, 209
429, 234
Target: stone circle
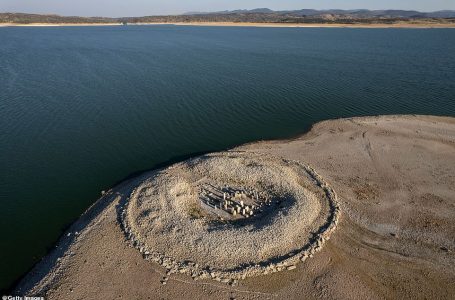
230, 215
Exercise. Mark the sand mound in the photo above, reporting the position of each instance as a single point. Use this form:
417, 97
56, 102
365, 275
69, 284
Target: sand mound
230, 215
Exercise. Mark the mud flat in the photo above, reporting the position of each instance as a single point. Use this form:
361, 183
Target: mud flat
355, 208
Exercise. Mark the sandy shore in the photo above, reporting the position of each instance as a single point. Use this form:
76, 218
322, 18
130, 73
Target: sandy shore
395, 181
300, 25
244, 24
56, 24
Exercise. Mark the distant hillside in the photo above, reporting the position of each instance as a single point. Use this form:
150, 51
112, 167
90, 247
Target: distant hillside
442, 14
259, 15
357, 13
20, 18
237, 11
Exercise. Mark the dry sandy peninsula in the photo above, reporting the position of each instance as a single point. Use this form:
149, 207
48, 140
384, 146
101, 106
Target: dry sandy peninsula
247, 24
394, 177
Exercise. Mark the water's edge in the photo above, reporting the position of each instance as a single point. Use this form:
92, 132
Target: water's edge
46, 264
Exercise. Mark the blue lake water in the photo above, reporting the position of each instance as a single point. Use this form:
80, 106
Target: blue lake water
83, 107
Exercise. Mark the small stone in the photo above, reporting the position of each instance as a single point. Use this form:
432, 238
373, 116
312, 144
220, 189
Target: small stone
291, 268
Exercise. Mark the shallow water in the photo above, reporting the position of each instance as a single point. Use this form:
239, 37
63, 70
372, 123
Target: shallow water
83, 107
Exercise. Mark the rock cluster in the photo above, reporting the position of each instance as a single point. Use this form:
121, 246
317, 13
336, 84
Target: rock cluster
236, 202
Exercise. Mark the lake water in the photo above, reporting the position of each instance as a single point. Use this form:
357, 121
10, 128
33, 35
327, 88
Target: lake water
84, 107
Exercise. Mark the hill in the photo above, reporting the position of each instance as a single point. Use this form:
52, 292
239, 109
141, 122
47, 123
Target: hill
259, 15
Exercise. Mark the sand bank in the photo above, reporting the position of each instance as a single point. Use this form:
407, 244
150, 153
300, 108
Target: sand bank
57, 24
300, 25
395, 184
245, 24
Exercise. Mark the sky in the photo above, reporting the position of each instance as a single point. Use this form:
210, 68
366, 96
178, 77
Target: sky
118, 8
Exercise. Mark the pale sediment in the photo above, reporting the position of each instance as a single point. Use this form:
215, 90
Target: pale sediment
394, 182
157, 219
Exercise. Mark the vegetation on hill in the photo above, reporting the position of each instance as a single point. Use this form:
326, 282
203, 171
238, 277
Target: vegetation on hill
249, 16
20, 18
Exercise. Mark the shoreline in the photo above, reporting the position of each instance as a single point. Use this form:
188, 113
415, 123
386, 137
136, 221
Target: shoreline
58, 24
246, 24
94, 214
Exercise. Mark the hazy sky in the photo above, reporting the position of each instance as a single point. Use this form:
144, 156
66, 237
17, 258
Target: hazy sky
155, 7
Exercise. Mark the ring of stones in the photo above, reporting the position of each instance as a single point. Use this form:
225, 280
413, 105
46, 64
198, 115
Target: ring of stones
230, 215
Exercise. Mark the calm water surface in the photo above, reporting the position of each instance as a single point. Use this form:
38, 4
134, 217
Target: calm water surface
83, 107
